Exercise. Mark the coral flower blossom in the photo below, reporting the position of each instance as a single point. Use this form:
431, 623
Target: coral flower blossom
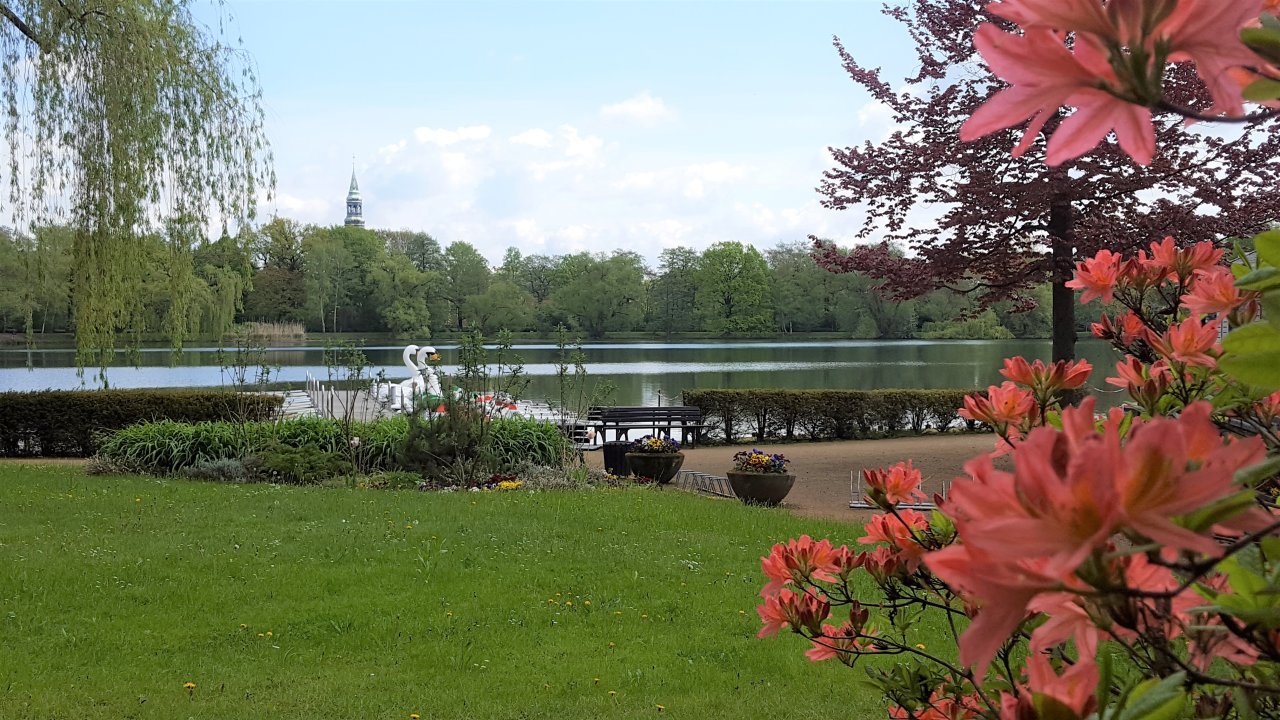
1214, 291
1043, 75
1097, 276
1175, 467
797, 561
903, 532
1180, 264
1003, 590
1075, 689
1046, 380
1207, 32
1190, 341
1003, 404
800, 611
899, 483
837, 642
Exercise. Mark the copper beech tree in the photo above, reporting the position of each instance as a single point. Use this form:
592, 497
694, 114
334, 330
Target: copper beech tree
976, 219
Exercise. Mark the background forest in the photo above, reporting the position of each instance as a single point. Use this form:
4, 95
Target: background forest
407, 284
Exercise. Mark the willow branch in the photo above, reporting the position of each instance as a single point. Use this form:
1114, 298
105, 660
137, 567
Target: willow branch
23, 27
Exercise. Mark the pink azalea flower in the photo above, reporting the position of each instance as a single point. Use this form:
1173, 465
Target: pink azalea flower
1075, 689
902, 532
798, 561
1214, 291
1173, 467
1003, 590
1207, 32
837, 642
1097, 276
1181, 263
800, 611
1190, 341
1065, 15
1044, 75
1006, 404
899, 483
1060, 500
1046, 380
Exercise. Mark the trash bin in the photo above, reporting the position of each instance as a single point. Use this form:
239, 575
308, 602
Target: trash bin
615, 457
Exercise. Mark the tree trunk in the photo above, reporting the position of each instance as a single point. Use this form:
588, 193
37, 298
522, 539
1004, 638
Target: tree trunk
1062, 242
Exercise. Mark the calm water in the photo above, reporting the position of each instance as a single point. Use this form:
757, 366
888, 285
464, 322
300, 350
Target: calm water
643, 373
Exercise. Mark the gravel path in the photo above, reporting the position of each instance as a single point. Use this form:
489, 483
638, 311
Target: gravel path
822, 468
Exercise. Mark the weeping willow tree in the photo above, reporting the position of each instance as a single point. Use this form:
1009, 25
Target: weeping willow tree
121, 116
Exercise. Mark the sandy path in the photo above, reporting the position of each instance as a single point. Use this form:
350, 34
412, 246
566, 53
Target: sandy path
822, 468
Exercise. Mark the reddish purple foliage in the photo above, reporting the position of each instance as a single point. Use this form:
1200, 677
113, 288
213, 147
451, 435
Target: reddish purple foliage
993, 211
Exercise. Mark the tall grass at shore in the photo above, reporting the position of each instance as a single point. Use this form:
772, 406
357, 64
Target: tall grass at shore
273, 331
325, 603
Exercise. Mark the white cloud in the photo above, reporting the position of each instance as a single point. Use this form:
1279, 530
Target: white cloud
444, 137
534, 137
568, 188
643, 109
579, 150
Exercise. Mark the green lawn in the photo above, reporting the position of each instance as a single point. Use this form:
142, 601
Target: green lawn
324, 603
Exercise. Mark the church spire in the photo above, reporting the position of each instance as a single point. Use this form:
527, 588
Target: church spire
355, 206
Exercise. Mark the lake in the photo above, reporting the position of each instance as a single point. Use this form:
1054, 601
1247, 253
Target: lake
643, 373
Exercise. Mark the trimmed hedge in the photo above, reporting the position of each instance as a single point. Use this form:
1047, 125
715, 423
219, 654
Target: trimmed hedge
165, 447
823, 414
71, 423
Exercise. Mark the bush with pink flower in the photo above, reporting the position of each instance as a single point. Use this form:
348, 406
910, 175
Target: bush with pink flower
1118, 565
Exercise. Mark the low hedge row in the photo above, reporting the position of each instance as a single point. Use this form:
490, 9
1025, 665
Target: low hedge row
166, 447
71, 423
824, 414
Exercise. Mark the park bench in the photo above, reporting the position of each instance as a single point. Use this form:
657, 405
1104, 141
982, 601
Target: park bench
685, 419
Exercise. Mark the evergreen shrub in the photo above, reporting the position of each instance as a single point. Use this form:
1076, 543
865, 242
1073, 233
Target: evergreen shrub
71, 423
826, 414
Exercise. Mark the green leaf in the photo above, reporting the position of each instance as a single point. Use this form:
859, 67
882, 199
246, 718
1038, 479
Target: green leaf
1253, 355
1254, 474
1156, 699
1228, 507
1262, 90
1264, 278
1264, 41
1267, 244
1271, 307
1240, 700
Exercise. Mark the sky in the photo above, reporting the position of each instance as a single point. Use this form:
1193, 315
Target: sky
568, 126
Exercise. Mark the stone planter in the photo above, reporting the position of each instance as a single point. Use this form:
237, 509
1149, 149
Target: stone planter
659, 466
761, 488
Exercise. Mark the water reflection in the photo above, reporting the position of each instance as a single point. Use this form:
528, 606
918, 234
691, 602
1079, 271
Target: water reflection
642, 372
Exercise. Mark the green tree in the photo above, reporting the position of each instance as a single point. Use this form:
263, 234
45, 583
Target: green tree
502, 306
674, 292
602, 293
421, 249
278, 245
805, 296
733, 289
136, 113
400, 291
466, 274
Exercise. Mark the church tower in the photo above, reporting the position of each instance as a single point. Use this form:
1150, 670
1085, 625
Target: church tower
355, 206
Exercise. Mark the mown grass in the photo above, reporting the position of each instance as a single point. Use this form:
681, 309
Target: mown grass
326, 603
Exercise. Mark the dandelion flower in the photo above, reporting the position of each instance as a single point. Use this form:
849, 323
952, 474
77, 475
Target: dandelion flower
568, 603
243, 626
661, 708
612, 693
595, 681
269, 633
189, 685
612, 645
413, 716
261, 635
586, 602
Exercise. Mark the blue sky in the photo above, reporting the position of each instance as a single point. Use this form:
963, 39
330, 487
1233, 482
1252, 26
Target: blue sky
559, 127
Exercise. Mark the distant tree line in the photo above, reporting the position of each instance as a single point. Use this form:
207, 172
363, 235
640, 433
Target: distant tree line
406, 283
